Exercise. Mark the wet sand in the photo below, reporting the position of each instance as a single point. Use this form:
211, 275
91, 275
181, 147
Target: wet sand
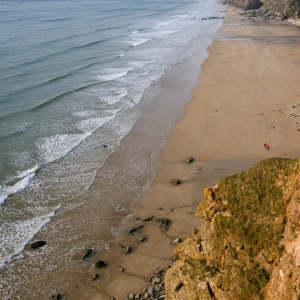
248, 86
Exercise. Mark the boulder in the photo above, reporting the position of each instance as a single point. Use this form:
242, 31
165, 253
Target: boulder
247, 4
100, 264
162, 222
88, 254
38, 244
175, 181
176, 241
189, 160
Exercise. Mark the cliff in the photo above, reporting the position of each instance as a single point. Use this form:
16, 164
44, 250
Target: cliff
289, 9
248, 245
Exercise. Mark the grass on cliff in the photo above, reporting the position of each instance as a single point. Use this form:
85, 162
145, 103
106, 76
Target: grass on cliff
248, 229
257, 201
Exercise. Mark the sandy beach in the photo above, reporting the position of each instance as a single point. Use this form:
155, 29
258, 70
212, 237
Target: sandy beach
248, 89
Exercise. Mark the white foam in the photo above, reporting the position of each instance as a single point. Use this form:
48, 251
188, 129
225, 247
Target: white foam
5, 191
140, 63
112, 95
109, 74
28, 172
85, 113
138, 41
16, 234
54, 147
91, 125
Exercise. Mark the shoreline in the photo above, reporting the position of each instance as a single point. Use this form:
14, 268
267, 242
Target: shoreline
218, 150
56, 267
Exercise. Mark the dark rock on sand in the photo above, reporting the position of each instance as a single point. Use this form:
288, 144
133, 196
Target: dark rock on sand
176, 241
96, 276
128, 249
38, 244
100, 264
56, 297
189, 160
148, 218
163, 222
133, 229
88, 254
175, 181
142, 239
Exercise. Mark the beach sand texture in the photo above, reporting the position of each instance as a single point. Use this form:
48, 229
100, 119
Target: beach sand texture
248, 87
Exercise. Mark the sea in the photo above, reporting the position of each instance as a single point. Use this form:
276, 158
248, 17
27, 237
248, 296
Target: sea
74, 75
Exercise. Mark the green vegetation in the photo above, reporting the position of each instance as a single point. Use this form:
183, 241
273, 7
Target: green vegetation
248, 227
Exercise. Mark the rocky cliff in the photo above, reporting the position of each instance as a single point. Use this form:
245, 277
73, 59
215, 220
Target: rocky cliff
248, 244
289, 9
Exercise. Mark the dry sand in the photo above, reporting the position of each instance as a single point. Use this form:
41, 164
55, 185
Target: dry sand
249, 84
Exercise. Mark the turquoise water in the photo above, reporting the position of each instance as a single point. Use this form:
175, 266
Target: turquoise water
72, 74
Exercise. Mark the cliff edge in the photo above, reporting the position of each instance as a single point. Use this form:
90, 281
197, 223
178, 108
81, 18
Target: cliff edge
248, 245
289, 9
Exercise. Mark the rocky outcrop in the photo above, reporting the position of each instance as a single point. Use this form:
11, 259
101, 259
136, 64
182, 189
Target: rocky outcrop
289, 9
247, 4
248, 245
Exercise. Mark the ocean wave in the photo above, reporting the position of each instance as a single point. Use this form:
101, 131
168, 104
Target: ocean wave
92, 124
109, 74
138, 41
25, 178
16, 234
54, 147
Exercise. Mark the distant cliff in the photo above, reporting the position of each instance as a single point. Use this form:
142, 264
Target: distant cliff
289, 9
248, 245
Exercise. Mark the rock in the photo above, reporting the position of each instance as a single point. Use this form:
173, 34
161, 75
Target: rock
88, 254
38, 244
156, 280
189, 160
56, 297
131, 296
128, 249
137, 296
100, 264
122, 270
176, 241
163, 222
247, 4
148, 218
142, 239
104, 146
132, 230
96, 276
175, 182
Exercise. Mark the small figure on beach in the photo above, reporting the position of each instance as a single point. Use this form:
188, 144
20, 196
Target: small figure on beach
268, 147
265, 145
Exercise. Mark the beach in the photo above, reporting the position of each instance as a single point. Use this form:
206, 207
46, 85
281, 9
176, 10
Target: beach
247, 94
110, 211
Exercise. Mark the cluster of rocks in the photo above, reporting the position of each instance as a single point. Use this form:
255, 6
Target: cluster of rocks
262, 13
155, 289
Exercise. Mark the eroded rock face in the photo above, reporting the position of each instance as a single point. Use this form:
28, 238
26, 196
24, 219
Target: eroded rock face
286, 8
247, 4
249, 243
